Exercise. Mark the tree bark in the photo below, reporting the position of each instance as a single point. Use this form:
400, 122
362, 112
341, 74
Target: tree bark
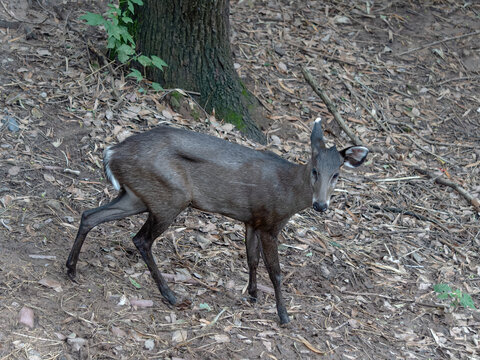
192, 37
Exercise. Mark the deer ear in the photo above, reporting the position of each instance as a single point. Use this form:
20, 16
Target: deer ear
354, 156
316, 138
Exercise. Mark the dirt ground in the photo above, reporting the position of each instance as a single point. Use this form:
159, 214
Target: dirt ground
358, 279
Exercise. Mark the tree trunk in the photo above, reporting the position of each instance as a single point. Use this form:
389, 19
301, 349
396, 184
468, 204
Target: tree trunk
192, 37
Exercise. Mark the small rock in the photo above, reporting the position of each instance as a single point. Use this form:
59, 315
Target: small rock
279, 50
12, 124
26, 317
326, 38
149, 344
276, 140
325, 271
109, 114
34, 355
43, 52
282, 66
76, 343
37, 114
18, 344
415, 112
341, 20
54, 204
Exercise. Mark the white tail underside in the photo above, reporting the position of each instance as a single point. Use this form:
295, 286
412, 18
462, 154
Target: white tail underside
107, 155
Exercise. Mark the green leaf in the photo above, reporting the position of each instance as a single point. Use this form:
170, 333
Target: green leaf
127, 20
144, 60
442, 288
122, 57
138, 2
115, 31
93, 19
112, 11
112, 43
126, 36
157, 62
467, 301
112, 30
157, 87
204, 306
134, 283
136, 74
127, 49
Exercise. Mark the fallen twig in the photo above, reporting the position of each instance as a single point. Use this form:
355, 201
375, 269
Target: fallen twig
435, 305
372, 112
331, 107
439, 180
409, 213
439, 42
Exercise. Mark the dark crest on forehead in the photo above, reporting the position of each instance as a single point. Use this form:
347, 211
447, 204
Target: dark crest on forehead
329, 157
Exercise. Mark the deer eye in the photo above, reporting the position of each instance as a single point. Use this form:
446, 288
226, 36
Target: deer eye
335, 176
315, 174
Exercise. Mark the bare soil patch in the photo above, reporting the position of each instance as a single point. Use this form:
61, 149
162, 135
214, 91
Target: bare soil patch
358, 280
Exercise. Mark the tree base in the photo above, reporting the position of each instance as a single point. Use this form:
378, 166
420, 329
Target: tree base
192, 37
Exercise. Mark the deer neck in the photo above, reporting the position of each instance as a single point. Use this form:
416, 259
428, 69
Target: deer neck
302, 186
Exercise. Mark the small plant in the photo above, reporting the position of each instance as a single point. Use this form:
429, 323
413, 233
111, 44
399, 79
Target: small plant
120, 28
458, 297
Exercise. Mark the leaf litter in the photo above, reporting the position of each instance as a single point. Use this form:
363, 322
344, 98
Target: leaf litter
358, 280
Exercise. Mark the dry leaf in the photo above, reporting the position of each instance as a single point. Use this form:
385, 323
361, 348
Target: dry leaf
141, 303
179, 336
149, 344
6, 200
51, 283
308, 345
118, 332
13, 171
49, 177
57, 143
222, 338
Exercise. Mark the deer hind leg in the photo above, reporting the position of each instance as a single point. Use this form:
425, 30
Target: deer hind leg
126, 204
270, 257
253, 253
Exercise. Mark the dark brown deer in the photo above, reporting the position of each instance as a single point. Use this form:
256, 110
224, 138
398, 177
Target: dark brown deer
165, 170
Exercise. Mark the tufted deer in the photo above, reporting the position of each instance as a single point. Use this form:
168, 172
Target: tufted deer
165, 170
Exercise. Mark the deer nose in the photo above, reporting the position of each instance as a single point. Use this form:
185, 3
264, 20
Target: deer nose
320, 206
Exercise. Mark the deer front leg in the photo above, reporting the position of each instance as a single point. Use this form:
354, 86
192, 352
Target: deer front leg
253, 252
270, 257
143, 241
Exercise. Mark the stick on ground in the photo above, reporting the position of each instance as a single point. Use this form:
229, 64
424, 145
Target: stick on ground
331, 107
439, 180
